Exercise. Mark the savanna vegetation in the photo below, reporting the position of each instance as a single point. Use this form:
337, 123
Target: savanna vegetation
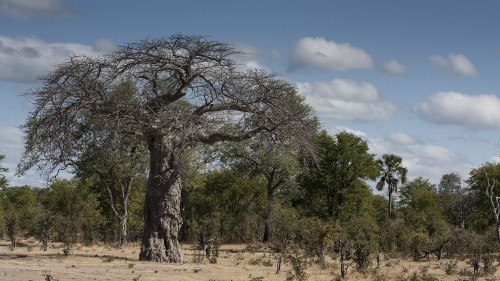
168, 141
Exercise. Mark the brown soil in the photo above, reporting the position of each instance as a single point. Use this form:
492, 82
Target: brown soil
236, 262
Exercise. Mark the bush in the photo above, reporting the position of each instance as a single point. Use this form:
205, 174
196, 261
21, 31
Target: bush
298, 269
362, 256
451, 268
419, 242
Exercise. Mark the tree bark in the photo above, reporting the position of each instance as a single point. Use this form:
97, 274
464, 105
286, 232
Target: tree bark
123, 225
498, 230
268, 215
389, 209
162, 212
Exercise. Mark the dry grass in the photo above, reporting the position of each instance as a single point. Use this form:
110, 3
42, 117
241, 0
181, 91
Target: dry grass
236, 262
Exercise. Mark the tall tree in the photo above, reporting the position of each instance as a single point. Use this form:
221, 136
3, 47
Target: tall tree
393, 173
458, 201
423, 212
344, 163
189, 91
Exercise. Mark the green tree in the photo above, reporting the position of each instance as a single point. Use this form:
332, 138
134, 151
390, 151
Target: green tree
421, 205
19, 206
75, 210
485, 181
276, 160
393, 173
3, 179
115, 173
359, 223
189, 92
3, 184
344, 164
458, 201
227, 207
423, 212
44, 219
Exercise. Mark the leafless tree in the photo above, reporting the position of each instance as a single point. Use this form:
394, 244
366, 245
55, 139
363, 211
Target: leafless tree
188, 91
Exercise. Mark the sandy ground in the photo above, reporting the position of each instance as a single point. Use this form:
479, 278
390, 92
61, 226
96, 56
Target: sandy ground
236, 262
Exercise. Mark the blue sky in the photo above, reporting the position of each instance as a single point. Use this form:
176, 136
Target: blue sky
416, 78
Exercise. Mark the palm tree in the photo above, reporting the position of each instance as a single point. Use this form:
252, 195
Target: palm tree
393, 173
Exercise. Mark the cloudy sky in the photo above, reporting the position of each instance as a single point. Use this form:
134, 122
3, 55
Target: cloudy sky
415, 78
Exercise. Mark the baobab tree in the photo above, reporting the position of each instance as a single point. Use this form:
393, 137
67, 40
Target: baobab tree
188, 91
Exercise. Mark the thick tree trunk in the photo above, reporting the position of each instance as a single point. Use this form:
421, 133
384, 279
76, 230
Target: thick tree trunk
162, 214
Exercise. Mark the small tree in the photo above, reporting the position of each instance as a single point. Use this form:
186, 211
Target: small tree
75, 213
20, 208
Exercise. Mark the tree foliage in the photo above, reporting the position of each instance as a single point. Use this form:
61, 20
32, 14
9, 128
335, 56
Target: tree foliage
344, 164
458, 201
393, 174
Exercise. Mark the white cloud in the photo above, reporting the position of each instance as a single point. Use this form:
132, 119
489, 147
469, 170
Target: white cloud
395, 67
346, 100
252, 57
27, 58
471, 138
319, 53
103, 46
33, 8
455, 64
461, 110
10, 135
403, 139
339, 129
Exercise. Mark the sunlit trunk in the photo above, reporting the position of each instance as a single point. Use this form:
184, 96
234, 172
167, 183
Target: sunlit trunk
498, 230
162, 216
123, 225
